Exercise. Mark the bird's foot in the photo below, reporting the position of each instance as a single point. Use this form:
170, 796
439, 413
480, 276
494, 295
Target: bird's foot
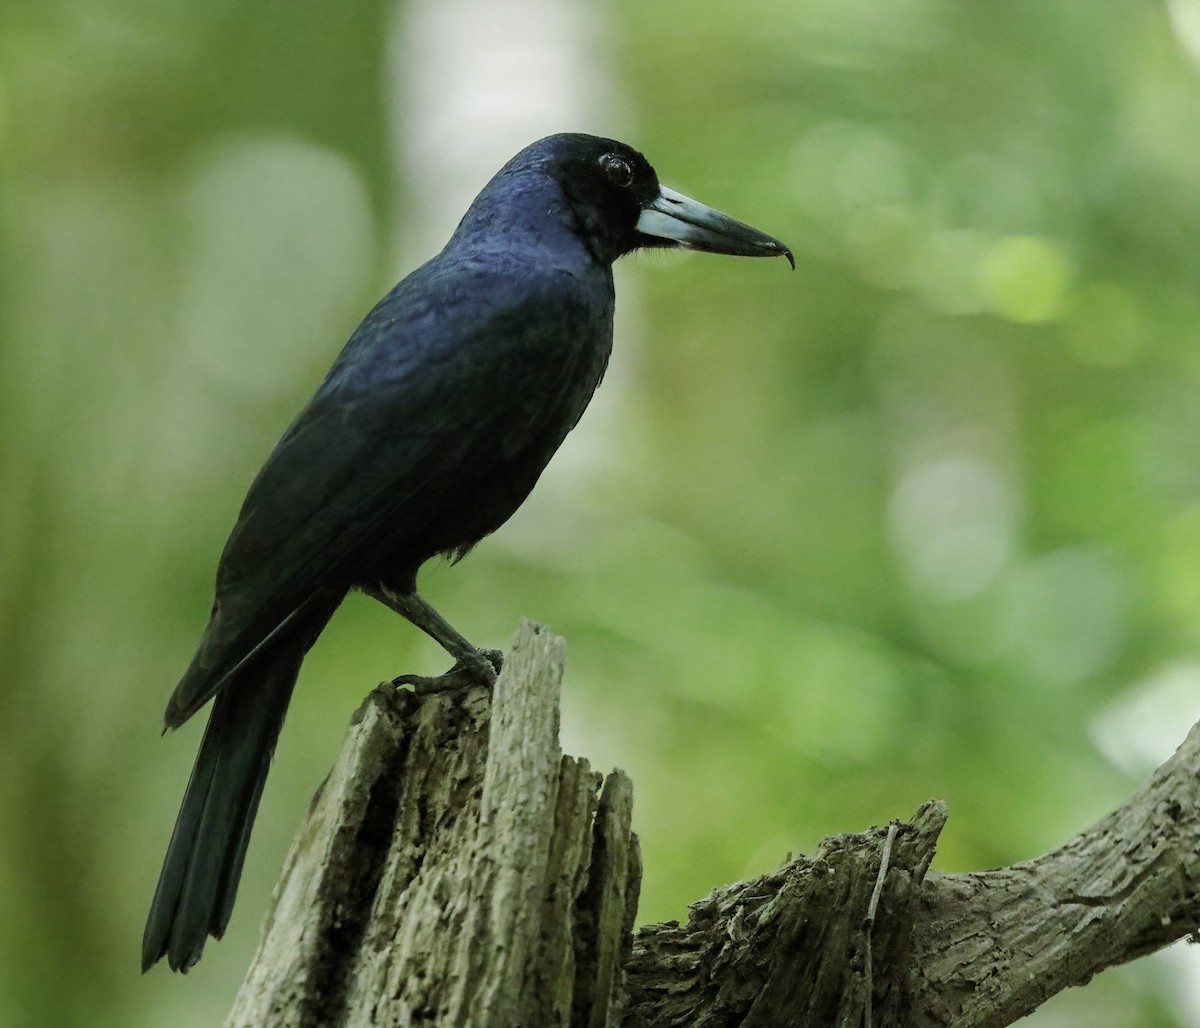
481, 668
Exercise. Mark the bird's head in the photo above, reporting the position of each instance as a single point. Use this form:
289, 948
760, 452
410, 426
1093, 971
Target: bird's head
620, 206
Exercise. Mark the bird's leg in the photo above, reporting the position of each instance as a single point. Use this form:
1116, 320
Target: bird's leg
472, 666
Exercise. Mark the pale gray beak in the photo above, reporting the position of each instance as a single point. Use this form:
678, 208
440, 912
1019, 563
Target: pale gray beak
685, 222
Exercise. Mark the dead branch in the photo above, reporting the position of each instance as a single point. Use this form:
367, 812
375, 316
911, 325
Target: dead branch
457, 869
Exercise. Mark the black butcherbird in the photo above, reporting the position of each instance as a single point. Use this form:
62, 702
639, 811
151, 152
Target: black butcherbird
428, 433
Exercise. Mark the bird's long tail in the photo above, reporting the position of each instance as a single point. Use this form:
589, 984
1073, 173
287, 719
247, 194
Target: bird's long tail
200, 873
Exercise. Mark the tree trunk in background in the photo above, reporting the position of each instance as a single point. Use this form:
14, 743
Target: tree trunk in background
456, 869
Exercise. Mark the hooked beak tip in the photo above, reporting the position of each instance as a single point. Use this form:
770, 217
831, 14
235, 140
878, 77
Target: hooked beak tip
682, 221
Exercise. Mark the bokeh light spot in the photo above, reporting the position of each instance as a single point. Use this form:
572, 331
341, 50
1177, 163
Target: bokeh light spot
952, 522
1025, 278
282, 238
1063, 615
1143, 725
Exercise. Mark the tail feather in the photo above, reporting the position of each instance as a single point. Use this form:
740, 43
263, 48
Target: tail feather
198, 884
199, 879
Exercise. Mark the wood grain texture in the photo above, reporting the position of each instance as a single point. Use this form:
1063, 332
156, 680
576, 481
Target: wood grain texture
457, 869
454, 869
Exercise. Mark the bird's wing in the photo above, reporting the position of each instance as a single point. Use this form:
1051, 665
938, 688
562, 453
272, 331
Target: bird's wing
408, 410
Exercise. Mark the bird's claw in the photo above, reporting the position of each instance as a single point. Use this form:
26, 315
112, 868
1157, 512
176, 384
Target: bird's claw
481, 669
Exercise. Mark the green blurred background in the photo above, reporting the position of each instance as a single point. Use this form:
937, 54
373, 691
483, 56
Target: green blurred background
921, 519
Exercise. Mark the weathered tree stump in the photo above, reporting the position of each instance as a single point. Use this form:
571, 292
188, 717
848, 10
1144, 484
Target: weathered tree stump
456, 869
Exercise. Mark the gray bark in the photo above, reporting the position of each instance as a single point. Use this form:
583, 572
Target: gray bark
457, 869
454, 869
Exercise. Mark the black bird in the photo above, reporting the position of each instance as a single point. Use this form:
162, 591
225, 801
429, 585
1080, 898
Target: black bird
430, 430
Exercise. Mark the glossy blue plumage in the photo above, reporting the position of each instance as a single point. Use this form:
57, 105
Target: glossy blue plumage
429, 431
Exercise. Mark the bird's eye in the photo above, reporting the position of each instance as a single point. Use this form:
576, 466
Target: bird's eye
618, 170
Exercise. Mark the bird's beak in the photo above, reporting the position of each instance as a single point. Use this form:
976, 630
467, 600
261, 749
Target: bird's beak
688, 223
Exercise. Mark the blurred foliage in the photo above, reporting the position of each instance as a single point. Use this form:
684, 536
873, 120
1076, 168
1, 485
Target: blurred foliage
922, 519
